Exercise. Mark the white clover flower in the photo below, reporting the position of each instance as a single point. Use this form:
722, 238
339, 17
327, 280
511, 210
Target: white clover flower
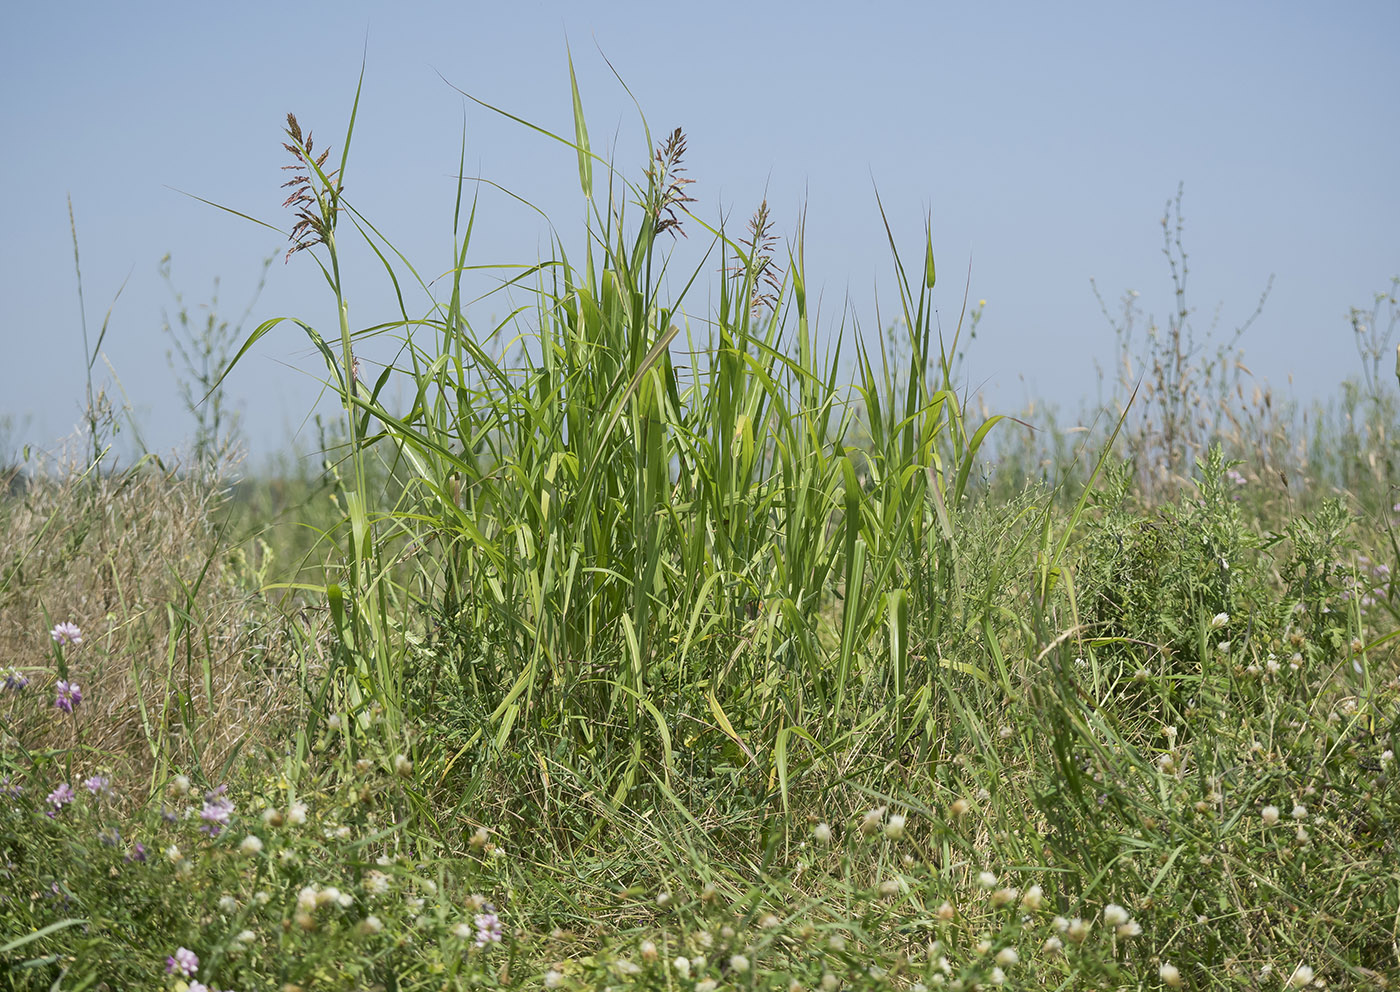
228, 905
376, 882
663, 899
1170, 974
648, 951
986, 880
983, 946
1077, 930
830, 983
894, 826
1219, 620
307, 898
626, 968
1053, 945
1033, 898
983, 794
245, 937
822, 833
1130, 929
1114, 914
180, 785
252, 844
553, 979
402, 766
836, 942
371, 924
464, 931
296, 814
1302, 975
706, 985
739, 964
1004, 896
945, 911
1008, 956
998, 977
871, 821
262, 897
889, 888
682, 966
959, 807
1269, 814
1300, 812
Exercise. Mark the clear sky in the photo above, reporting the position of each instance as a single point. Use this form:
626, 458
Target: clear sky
1043, 140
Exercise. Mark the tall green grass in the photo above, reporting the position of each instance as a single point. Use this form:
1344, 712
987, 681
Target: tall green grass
615, 512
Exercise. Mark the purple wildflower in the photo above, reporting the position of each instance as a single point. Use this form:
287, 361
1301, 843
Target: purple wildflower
184, 961
67, 633
1235, 477
15, 680
10, 788
69, 696
217, 809
98, 785
59, 798
138, 853
111, 837
488, 928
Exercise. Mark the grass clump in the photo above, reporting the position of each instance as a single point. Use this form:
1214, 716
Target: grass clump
641, 664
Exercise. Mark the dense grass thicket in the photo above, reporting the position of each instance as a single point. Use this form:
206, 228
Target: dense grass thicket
620, 646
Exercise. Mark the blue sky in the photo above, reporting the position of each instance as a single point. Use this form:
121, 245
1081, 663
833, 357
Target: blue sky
1043, 140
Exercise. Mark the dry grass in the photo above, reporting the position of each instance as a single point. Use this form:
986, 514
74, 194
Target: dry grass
182, 662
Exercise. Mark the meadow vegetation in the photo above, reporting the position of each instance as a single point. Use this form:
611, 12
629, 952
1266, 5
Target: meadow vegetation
614, 645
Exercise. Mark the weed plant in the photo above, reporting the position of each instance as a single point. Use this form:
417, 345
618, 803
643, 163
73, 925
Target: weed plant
651, 654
